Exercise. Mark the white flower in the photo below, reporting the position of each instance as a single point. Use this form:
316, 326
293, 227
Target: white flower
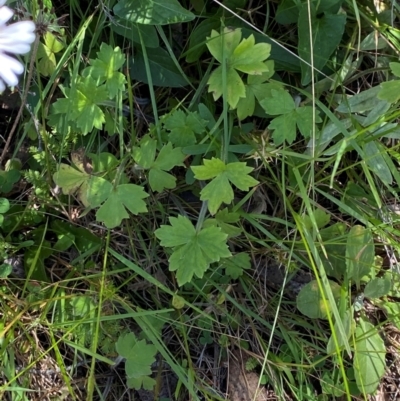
15, 38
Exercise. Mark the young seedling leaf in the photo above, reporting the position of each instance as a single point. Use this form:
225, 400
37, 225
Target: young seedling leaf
121, 198
219, 190
193, 251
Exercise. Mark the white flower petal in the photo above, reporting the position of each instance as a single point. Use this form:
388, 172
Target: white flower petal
2, 2
16, 38
5, 14
10, 67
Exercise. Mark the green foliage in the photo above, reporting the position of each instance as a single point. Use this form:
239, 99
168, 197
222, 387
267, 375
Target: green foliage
390, 91
168, 157
139, 358
235, 55
281, 104
219, 190
47, 54
369, 357
152, 12
105, 69
193, 251
183, 127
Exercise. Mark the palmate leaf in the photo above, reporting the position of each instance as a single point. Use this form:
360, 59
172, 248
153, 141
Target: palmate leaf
139, 358
183, 127
193, 251
281, 104
168, 158
120, 199
219, 190
235, 55
105, 69
91, 190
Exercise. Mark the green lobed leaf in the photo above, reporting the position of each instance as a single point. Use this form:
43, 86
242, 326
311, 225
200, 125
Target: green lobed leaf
183, 127
235, 265
120, 199
219, 190
193, 251
105, 69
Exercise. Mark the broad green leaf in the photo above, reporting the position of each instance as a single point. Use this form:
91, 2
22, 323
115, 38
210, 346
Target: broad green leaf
349, 325
369, 357
321, 218
193, 251
360, 253
8, 179
183, 127
377, 287
327, 32
395, 67
105, 68
376, 162
163, 71
219, 190
4, 205
235, 265
5, 270
120, 199
197, 40
361, 102
310, 302
390, 91
304, 120
334, 238
137, 33
152, 12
